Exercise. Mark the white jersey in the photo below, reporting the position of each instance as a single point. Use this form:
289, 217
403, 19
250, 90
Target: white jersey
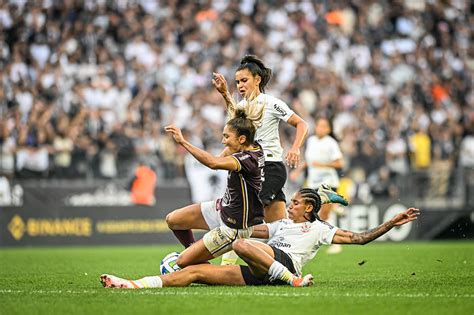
268, 135
324, 150
301, 241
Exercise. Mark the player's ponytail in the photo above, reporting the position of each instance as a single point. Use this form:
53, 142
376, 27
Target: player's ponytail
312, 197
256, 66
252, 109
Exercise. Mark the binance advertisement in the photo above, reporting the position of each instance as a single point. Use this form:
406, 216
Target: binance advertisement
98, 215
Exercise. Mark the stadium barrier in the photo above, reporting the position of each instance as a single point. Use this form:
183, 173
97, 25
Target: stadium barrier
99, 213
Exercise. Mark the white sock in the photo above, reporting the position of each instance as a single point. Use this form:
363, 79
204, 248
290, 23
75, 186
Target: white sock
229, 258
149, 282
280, 272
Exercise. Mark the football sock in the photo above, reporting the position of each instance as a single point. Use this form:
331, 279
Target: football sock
280, 272
185, 237
229, 258
148, 282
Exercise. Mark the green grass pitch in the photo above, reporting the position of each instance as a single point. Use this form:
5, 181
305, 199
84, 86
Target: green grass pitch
404, 278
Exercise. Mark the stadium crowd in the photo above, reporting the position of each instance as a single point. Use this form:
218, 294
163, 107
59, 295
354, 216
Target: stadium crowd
87, 85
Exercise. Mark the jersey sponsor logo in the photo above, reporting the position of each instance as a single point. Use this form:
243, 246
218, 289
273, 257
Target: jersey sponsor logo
243, 157
280, 242
279, 109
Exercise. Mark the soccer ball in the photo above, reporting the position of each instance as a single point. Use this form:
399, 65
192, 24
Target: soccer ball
168, 264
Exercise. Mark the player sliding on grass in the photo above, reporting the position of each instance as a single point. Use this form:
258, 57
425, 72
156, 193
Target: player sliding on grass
291, 244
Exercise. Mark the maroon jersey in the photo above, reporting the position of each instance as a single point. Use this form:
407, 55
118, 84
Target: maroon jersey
241, 206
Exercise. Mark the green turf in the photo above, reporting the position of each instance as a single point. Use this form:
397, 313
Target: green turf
407, 278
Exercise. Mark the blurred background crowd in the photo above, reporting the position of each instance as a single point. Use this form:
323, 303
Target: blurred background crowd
87, 85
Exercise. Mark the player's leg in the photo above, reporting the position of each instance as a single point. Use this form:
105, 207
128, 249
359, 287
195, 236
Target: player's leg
329, 197
258, 256
182, 220
203, 273
206, 274
195, 254
324, 212
262, 261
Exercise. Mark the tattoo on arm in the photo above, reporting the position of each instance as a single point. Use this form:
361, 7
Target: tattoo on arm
368, 236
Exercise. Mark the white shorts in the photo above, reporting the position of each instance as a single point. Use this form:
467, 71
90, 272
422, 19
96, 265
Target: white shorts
210, 214
219, 240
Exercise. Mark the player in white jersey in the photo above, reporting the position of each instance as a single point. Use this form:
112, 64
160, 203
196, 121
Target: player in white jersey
323, 158
251, 78
292, 243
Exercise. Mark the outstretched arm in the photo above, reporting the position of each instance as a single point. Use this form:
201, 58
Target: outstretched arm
220, 84
293, 155
214, 162
348, 237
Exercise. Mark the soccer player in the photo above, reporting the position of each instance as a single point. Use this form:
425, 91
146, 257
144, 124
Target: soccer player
292, 243
240, 208
251, 78
323, 158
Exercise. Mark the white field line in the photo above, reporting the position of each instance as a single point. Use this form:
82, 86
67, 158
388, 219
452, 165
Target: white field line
234, 294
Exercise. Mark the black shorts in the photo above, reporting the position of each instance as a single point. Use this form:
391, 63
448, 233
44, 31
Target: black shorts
281, 257
272, 187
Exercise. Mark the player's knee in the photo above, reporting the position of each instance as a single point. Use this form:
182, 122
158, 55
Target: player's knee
182, 261
240, 246
171, 220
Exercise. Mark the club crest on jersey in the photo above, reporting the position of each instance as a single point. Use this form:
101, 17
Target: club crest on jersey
305, 228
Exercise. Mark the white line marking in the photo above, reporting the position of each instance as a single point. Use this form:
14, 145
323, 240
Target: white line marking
166, 292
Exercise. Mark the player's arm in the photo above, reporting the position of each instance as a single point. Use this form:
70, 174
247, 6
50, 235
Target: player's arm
293, 155
348, 237
220, 84
261, 231
207, 159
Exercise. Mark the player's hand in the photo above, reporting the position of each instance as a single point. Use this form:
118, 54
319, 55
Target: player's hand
219, 82
293, 157
175, 132
406, 216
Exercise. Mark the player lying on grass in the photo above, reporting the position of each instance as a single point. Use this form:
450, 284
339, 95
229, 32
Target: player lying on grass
291, 244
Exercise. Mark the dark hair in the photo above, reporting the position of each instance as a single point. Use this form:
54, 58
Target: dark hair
312, 197
243, 126
253, 64
329, 120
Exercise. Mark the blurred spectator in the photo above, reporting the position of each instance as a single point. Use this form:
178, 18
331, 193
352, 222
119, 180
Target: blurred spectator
466, 154
443, 149
142, 187
381, 185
